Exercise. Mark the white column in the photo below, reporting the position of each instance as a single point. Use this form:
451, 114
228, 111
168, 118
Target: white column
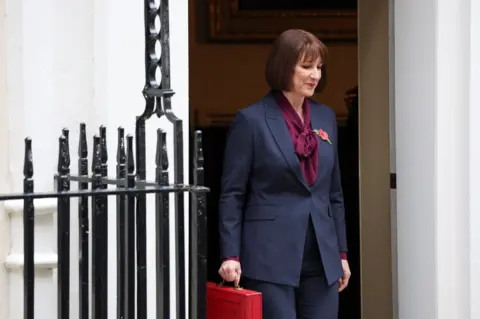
452, 151
4, 235
119, 79
432, 67
69, 62
49, 78
474, 161
48, 73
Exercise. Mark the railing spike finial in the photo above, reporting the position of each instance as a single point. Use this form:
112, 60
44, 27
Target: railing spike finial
83, 228
28, 161
121, 154
158, 151
130, 156
63, 156
198, 158
97, 155
103, 144
165, 163
82, 142
66, 133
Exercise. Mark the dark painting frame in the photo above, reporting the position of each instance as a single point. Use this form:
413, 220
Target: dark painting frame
227, 22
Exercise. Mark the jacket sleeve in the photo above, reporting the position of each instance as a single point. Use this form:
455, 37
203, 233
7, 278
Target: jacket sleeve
236, 170
336, 196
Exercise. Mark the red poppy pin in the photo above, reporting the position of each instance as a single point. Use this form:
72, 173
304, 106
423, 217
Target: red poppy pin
323, 135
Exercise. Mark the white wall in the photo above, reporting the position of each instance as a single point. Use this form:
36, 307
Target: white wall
474, 160
435, 88
4, 235
68, 62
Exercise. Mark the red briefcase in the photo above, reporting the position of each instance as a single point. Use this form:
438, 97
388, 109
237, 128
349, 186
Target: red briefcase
232, 303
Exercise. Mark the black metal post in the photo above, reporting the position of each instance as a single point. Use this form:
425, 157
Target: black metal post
28, 235
179, 218
121, 175
130, 235
198, 238
141, 222
160, 90
104, 156
99, 249
83, 227
103, 215
63, 228
162, 229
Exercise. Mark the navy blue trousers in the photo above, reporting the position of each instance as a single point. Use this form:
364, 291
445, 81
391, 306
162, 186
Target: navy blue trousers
312, 299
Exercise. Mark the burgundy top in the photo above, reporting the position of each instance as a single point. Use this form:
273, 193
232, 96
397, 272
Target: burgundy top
304, 140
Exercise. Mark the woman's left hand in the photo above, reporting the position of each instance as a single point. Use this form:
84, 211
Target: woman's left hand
343, 282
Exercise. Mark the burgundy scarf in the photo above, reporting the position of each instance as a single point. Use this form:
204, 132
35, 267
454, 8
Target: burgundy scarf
305, 141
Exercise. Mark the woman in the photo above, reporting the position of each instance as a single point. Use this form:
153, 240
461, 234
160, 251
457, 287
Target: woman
281, 208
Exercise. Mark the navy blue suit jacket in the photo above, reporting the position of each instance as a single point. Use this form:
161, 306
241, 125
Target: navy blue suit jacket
265, 202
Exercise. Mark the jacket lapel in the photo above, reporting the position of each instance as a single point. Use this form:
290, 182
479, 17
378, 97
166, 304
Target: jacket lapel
279, 131
318, 122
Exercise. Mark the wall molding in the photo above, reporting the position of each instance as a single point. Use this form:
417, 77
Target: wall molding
44, 206
41, 261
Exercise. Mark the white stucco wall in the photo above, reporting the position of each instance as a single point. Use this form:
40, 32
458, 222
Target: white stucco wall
72, 62
4, 235
474, 160
436, 89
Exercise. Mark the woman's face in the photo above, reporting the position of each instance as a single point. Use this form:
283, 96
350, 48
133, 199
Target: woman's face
306, 75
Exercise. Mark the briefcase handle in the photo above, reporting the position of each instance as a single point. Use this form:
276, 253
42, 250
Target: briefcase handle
236, 287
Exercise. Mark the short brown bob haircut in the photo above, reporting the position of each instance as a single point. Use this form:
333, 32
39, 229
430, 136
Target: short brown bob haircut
287, 50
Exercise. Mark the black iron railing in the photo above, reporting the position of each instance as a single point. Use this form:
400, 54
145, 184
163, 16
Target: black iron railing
130, 191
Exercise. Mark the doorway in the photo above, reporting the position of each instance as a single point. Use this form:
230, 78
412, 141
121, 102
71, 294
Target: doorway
225, 77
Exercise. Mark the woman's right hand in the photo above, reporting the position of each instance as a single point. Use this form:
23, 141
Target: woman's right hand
230, 270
